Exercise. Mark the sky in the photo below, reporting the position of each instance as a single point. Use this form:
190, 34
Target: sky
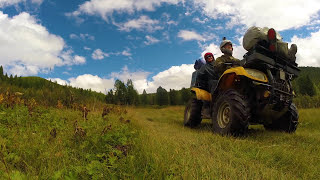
92, 43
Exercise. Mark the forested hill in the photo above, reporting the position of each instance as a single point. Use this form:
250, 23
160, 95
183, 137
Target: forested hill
312, 72
47, 93
308, 81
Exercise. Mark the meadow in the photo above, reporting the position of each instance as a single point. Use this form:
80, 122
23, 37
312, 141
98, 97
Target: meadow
175, 151
52, 143
149, 143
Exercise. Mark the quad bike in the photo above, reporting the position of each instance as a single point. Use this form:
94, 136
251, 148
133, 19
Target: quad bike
258, 92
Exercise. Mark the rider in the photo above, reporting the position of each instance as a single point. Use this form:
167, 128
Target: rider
197, 66
207, 80
206, 77
227, 49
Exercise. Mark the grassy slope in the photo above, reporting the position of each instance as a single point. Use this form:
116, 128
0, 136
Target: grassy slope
172, 150
28, 149
313, 72
163, 148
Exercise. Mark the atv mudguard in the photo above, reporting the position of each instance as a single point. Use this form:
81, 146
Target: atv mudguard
227, 79
230, 75
240, 71
201, 94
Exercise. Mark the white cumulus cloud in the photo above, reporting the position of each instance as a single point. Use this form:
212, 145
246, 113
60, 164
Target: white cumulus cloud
21, 69
151, 40
70, 59
27, 48
308, 49
22, 39
4, 3
176, 77
190, 35
198, 20
82, 36
213, 48
126, 52
142, 23
87, 81
59, 81
280, 15
98, 54
79, 59
136, 77
95, 83
105, 8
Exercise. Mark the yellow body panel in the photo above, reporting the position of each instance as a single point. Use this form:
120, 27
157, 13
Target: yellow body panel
242, 72
202, 94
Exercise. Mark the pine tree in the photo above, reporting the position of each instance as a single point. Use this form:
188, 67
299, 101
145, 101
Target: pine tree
110, 99
6, 77
144, 97
132, 94
173, 95
120, 92
185, 95
1, 71
162, 96
11, 79
306, 86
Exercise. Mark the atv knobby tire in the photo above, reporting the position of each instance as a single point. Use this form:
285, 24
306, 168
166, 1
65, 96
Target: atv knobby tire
231, 113
288, 122
192, 113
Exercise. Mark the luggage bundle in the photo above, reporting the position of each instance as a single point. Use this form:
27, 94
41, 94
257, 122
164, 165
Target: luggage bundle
255, 35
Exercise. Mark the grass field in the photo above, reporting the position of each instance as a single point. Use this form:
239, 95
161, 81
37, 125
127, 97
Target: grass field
174, 151
152, 144
61, 144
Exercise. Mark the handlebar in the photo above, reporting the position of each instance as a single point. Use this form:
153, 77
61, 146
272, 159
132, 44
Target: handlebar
228, 63
232, 64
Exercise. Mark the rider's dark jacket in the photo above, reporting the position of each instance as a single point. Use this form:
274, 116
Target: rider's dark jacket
219, 65
206, 77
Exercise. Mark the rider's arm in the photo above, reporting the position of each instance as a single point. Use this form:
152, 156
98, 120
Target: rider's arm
219, 66
201, 79
193, 78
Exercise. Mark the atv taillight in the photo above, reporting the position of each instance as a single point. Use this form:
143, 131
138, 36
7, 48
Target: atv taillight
271, 34
272, 40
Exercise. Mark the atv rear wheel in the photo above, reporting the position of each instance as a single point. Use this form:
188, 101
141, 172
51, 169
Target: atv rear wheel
192, 113
231, 114
288, 122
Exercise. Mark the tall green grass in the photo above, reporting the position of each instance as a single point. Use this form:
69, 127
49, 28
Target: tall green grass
153, 145
173, 151
31, 150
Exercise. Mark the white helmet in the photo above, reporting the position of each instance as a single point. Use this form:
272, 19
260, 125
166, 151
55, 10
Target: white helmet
223, 43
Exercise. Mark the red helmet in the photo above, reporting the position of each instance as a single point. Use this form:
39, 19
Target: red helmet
208, 54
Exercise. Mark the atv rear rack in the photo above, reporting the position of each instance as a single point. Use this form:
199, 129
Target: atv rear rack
279, 63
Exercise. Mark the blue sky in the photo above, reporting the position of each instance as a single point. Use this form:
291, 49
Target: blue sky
91, 43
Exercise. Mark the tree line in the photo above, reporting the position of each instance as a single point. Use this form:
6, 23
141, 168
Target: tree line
126, 94
308, 82
48, 93
306, 87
